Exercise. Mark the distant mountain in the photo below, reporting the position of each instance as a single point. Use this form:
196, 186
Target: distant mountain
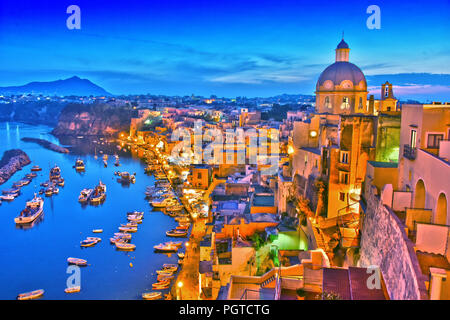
72, 86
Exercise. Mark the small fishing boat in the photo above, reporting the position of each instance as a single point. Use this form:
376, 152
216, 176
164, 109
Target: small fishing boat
55, 173
130, 224
99, 194
11, 191
61, 182
49, 192
123, 235
79, 165
97, 230
165, 272
31, 295
88, 243
128, 229
7, 197
152, 295
94, 239
32, 211
72, 289
162, 277
161, 286
125, 246
134, 219
36, 168
84, 195
165, 248
77, 261
176, 233
170, 266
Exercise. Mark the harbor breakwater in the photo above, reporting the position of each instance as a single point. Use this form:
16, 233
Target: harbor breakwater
46, 144
11, 162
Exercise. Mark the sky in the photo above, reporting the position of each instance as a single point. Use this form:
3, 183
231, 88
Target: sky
226, 47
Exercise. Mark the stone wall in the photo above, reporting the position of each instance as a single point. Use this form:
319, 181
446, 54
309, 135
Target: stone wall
11, 162
384, 243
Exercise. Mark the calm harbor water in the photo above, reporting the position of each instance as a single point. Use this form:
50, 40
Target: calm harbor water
36, 258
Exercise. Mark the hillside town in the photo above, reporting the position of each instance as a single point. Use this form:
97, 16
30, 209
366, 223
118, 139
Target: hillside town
343, 197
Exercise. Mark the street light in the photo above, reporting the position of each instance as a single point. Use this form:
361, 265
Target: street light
179, 286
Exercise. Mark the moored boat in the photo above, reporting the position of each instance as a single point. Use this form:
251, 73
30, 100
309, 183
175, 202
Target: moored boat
32, 211
165, 248
79, 165
36, 168
77, 261
31, 295
72, 289
125, 246
152, 295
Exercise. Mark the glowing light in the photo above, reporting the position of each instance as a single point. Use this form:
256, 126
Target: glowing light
313, 134
180, 284
290, 149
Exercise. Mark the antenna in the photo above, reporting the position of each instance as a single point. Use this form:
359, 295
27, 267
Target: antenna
342, 34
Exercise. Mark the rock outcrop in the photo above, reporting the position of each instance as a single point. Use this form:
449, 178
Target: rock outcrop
11, 162
46, 144
32, 112
93, 120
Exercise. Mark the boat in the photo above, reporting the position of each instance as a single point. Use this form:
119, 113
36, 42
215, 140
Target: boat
11, 191
125, 246
115, 239
123, 235
129, 224
170, 266
162, 277
31, 295
72, 289
134, 219
97, 230
36, 168
32, 211
165, 248
84, 195
126, 177
116, 163
77, 261
128, 229
88, 243
175, 243
7, 197
135, 213
49, 192
55, 190
94, 239
45, 184
99, 194
55, 173
165, 272
79, 165
176, 233
31, 175
152, 295
161, 286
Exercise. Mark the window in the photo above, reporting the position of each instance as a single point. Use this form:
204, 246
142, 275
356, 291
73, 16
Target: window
342, 196
343, 177
386, 91
199, 175
360, 103
344, 157
412, 141
345, 103
433, 140
327, 102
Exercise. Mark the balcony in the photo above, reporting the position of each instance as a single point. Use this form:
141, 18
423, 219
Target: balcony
409, 152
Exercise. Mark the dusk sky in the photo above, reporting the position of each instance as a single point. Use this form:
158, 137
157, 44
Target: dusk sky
225, 47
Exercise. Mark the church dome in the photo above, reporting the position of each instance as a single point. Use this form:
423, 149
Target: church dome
341, 71
342, 75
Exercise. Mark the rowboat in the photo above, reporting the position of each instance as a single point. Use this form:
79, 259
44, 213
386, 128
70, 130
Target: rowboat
97, 230
88, 243
123, 235
72, 289
7, 197
36, 168
125, 246
31, 295
165, 248
128, 229
135, 213
152, 295
77, 261
161, 286
129, 224
176, 233
94, 239
165, 272
162, 277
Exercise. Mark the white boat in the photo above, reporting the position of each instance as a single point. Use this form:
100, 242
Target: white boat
123, 235
152, 295
72, 289
79, 165
31, 295
165, 248
125, 246
32, 211
127, 229
77, 261
7, 197
97, 230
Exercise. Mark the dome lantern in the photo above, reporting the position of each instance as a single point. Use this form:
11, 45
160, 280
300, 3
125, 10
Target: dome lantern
342, 51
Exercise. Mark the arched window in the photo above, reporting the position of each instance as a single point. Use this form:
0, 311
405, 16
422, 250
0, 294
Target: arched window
327, 103
360, 106
345, 103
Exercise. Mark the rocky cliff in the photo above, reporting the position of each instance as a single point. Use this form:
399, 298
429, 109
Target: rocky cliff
11, 162
93, 120
32, 112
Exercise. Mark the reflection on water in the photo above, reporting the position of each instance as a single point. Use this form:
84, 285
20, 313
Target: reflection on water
36, 255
